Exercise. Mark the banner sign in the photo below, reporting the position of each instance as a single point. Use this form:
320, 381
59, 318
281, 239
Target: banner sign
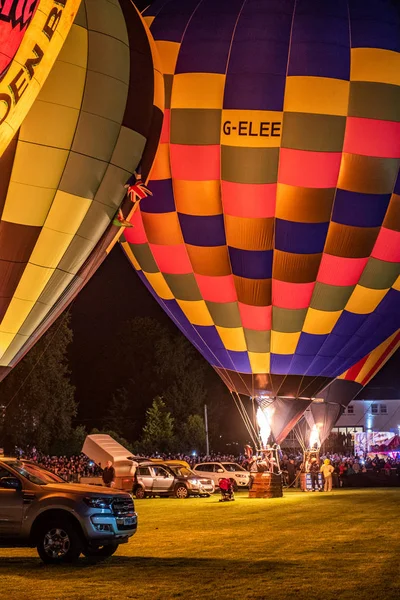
32, 33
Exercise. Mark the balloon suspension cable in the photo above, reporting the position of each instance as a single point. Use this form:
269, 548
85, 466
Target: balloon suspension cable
267, 453
311, 447
299, 436
245, 418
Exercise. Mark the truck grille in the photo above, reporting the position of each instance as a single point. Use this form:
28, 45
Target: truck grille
123, 507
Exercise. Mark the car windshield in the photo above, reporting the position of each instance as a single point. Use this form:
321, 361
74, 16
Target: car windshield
231, 467
34, 473
182, 471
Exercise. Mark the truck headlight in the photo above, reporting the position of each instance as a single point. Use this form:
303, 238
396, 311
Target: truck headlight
98, 501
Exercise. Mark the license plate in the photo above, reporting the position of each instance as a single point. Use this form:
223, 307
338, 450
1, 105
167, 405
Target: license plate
128, 521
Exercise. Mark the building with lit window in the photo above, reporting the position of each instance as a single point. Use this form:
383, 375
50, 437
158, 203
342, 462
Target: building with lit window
370, 415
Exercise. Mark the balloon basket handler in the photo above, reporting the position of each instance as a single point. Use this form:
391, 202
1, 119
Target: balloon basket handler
305, 477
305, 482
226, 489
267, 482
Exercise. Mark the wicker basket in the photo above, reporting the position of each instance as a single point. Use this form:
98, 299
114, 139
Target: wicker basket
266, 485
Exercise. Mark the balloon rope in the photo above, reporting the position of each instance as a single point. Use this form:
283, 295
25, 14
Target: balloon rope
299, 436
246, 419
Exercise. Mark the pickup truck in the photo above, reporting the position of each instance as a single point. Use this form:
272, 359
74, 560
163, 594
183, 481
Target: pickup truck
62, 520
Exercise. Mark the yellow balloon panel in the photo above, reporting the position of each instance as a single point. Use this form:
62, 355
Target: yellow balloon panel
63, 176
45, 33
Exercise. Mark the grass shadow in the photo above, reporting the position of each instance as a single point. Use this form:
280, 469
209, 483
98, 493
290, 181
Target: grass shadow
148, 565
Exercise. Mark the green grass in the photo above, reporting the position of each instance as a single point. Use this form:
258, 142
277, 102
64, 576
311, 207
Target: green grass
341, 546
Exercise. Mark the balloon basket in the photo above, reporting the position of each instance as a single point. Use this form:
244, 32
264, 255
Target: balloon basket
305, 482
266, 485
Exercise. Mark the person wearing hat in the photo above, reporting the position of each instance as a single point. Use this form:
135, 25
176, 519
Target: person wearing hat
327, 470
314, 472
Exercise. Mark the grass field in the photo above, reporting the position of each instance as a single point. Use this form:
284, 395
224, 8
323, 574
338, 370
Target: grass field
343, 546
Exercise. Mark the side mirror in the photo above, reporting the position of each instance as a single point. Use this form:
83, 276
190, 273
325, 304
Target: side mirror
10, 483
220, 471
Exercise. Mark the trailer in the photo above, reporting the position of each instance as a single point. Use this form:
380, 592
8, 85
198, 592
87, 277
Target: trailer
101, 448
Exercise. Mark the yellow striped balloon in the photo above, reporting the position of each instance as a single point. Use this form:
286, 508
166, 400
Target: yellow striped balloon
32, 33
63, 177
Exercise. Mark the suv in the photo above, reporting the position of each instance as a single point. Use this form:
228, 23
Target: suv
162, 480
63, 520
216, 471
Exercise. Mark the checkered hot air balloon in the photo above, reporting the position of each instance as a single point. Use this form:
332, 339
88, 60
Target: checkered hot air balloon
273, 235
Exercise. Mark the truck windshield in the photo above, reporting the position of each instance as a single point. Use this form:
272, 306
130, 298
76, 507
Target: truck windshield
182, 471
232, 467
34, 473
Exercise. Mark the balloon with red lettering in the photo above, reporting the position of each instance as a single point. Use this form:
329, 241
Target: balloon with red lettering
272, 238
63, 177
32, 33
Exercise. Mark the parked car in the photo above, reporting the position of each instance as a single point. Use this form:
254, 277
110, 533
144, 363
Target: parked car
63, 520
181, 471
162, 480
239, 477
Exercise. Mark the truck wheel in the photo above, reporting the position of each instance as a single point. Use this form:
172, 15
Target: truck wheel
140, 493
101, 552
59, 542
181, 491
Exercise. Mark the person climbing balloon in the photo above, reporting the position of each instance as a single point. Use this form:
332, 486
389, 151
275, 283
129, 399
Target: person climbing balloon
120, 220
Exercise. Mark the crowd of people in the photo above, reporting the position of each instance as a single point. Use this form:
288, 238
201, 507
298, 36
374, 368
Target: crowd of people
72, 468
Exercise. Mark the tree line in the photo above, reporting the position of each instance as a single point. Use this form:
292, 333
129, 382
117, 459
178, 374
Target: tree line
160, 386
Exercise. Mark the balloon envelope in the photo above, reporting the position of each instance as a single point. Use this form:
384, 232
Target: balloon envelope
63, 177
273, 236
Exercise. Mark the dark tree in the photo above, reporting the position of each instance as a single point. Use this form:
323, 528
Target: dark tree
158, 433
193, 435
37, 396
121, 415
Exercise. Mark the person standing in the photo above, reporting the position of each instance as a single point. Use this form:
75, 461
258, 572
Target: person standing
109, 475
314, 472
327, 470
291, 470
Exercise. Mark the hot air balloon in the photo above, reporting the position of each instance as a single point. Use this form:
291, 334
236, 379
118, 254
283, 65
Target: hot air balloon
32, 33
322, 414
62, 179
273, 235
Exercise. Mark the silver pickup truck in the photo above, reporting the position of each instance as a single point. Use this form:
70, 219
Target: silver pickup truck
63, 520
